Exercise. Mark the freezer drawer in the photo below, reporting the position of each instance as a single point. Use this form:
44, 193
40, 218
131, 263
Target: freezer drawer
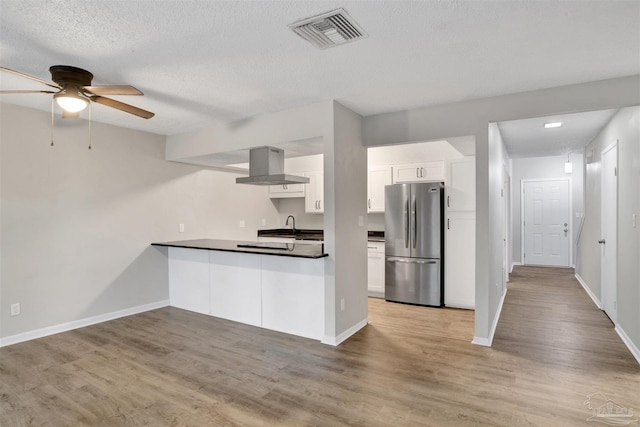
413, 281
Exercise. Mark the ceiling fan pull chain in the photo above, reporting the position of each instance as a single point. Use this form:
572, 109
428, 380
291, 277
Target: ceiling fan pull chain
52, 122
89, 126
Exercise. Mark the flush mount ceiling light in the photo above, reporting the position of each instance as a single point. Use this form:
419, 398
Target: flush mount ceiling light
329, 29
552, 125
71, 100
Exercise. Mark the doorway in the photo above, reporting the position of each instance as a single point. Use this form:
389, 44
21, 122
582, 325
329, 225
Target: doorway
608, 230
546, 207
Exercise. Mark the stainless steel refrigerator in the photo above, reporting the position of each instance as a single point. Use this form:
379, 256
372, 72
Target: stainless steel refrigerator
414, 231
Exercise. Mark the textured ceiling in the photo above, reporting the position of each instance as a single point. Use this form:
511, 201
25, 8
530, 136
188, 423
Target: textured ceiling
529, 138
203, 61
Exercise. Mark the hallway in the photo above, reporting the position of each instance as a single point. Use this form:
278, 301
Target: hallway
560, 343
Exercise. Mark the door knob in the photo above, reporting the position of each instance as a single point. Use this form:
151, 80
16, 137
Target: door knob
602, 242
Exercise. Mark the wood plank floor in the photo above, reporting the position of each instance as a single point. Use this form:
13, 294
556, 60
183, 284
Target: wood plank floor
411, 366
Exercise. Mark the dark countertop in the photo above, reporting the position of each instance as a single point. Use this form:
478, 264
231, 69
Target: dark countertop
309, 234
296, 250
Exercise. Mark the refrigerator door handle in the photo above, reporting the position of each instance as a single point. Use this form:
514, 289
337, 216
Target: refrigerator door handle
411, 260
415, 222
406, 225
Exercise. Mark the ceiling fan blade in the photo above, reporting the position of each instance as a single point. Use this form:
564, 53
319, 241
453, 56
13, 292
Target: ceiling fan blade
27, 91
112, 90
122, 106
27, 76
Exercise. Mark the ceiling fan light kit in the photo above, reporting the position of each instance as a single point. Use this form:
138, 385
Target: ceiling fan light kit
71, 100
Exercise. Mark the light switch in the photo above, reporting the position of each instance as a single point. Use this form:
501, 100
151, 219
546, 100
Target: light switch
242, 224
360, 220
634, 221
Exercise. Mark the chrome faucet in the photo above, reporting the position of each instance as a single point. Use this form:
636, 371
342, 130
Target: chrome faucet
293, 220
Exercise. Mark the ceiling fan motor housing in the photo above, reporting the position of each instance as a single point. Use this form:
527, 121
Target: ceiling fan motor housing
66, 75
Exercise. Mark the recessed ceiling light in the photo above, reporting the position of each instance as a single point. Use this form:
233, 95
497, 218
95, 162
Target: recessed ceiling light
552, 125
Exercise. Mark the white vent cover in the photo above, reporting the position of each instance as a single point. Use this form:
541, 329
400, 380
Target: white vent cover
329, 29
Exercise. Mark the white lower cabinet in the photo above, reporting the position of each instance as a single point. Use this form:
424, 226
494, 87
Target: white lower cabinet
460, 261
285, 294
235, 287
293, 296
375, 282
189, 279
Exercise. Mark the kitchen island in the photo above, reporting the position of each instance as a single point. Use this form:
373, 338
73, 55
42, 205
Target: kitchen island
273, 286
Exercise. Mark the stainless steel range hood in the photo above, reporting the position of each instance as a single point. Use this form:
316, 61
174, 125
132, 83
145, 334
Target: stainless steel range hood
266, 167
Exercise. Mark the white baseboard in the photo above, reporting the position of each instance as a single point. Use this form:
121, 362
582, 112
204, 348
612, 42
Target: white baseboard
489, 340
630, 344
64, 327
335, 341
588, 291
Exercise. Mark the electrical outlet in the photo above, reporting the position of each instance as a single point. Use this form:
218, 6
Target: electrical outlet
264, 221
15, 309
181, 228
634, 222
242, 224
342, 304
360, 220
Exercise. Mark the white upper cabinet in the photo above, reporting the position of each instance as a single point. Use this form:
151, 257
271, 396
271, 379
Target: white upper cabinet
314, 193
379, 177
286, 191
461, 184
419, 172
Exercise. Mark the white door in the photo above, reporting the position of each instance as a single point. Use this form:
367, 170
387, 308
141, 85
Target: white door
608, 227
546, 222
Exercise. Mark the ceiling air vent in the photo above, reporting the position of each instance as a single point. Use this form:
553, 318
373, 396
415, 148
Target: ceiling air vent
329, 29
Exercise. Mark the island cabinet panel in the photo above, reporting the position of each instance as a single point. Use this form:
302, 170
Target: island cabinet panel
189, 279
293, 296
235, 292
278, 292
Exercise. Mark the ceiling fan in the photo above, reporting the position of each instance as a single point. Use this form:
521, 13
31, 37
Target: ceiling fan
74, 91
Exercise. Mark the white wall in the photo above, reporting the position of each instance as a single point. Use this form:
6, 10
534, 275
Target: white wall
76, 224
544, 168
470, 118
624, 128
345, 169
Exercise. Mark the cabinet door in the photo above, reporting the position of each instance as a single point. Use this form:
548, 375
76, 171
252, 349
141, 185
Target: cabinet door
376, 269
379, 177
235, 287
461, 185
460, 261
314, 193
286, 191
419, 172
189, 279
